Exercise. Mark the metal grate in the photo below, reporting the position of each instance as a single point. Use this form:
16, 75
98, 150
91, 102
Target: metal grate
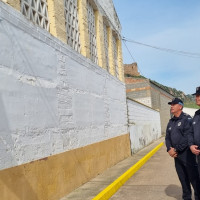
115, 51
92, 32
36, 11
71, 23
106, 45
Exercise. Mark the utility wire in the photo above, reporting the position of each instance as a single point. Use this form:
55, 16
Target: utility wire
131, 56
128, 50
182, 53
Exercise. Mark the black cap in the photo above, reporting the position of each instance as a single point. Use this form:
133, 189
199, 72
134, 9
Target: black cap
176, 101
197, 91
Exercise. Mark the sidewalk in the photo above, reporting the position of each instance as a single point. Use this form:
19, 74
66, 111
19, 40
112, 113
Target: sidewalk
157, 179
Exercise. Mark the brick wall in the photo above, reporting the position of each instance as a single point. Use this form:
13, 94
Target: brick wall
160, 99
146, 92
131, 69
129, 80
133, 83
139, 90
155, 97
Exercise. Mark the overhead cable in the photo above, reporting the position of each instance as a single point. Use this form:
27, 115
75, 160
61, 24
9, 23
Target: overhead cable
183, 53
131, 55
128, 50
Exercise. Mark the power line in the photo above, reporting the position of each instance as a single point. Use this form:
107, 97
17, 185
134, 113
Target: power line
131, 56
182, 53
128, 50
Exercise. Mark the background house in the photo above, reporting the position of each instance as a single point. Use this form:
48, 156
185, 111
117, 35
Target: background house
148, 93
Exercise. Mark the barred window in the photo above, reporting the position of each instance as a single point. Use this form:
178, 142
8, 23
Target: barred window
92, 32
71, 23
106, 45
115, 55
36, 11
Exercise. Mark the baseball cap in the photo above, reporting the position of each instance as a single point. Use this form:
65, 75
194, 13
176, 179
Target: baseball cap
176, 101
197, 91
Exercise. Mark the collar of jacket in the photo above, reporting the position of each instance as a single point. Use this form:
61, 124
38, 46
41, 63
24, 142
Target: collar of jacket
197, 112
177, 118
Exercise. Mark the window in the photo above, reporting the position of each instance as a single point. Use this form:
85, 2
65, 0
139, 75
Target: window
36, 11
106, 45
115, 56
71, 23
92, 32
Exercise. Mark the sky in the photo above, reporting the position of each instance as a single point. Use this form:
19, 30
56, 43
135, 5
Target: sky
168, 24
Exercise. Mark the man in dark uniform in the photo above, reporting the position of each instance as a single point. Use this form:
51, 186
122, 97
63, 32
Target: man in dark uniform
177, 146
194, 136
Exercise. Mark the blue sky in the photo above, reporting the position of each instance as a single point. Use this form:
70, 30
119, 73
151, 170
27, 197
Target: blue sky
171, 24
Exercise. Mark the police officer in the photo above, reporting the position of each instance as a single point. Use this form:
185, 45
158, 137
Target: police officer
177, 146
194, 136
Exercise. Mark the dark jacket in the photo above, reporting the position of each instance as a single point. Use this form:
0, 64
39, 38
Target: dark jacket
194, 135
177, 133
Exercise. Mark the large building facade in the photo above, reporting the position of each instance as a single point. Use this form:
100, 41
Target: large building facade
91, 27
62, 96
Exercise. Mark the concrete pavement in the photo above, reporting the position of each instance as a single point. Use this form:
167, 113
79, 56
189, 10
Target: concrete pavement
155, 180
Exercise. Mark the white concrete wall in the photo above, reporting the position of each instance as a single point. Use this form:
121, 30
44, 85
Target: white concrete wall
110, 12
146, 101
190, 111
144, 125
52, 99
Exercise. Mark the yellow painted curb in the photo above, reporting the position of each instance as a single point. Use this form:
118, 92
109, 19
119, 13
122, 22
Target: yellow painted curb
113, 187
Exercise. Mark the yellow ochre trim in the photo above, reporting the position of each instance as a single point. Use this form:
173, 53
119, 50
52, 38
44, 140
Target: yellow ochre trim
113, 187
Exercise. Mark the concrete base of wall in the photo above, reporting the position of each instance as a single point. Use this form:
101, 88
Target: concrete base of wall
53, 177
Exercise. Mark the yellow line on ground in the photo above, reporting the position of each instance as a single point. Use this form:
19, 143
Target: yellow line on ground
113, 187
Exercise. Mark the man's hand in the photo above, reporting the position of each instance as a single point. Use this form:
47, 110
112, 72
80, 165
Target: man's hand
172, 152
194, 149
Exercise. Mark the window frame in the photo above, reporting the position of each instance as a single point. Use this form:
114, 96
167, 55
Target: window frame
72, 24
36, 11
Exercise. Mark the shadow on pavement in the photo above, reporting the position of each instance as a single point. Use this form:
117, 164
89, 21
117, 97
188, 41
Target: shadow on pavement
174, 191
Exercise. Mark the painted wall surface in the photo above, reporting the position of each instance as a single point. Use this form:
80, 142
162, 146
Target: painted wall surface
146, 100
53, 177
144, 125
110, 12
190, 111
52, 99
150, 94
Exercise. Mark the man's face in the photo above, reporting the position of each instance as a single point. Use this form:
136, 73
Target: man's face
198, 99
175, 108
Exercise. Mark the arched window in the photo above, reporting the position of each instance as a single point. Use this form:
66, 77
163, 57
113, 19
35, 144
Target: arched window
36, 11
92, 32
115, 55
105, 29
71, 23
